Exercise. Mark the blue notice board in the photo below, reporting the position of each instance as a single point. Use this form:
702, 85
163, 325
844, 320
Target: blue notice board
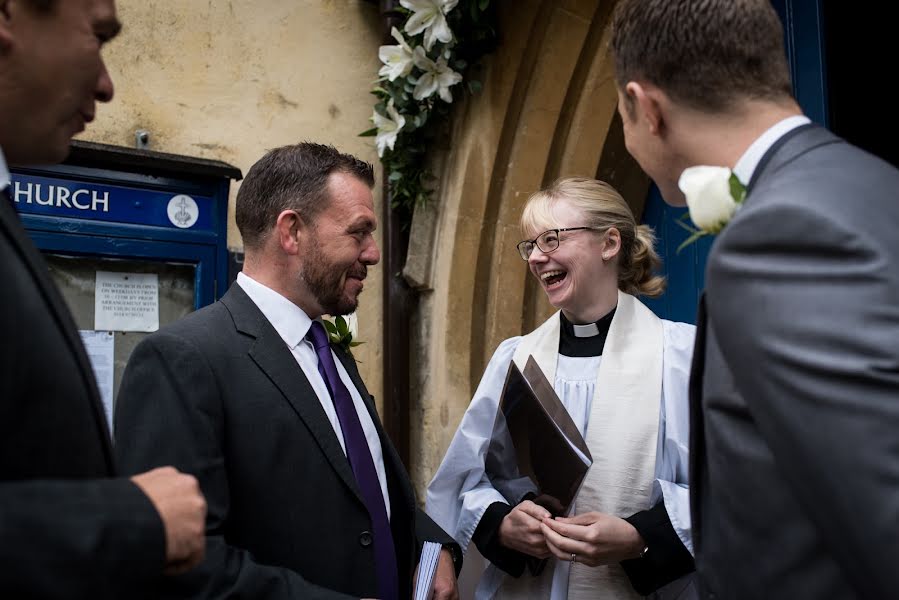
121, 203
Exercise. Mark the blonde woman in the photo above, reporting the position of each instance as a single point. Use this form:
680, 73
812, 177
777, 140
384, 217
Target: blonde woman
622, 374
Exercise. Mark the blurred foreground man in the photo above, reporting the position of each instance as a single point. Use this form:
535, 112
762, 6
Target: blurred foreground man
68, 527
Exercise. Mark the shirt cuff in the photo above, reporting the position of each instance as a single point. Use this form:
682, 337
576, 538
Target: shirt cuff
486, 538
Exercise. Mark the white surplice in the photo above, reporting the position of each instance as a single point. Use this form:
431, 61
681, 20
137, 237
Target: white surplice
460, 492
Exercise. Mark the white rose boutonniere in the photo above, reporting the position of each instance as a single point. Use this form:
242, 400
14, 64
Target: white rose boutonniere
342, 331
713, 196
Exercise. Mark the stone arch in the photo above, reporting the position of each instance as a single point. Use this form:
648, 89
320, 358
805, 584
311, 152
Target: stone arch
547, 110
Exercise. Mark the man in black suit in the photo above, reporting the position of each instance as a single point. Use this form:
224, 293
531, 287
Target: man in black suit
795, 381
307, 496
68, 527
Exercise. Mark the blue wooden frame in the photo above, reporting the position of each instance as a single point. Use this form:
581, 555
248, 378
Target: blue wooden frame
685, 270
206, 249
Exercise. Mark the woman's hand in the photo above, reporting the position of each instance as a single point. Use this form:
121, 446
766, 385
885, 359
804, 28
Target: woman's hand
522, 530
595, 538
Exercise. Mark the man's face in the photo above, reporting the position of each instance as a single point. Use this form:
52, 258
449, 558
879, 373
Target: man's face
649, 150
54, 75
340, 246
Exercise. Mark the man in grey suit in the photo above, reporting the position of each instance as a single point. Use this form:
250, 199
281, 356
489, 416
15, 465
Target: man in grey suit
795, 385
307, 496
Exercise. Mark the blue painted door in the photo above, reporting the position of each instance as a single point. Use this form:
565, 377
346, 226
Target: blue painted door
685, 270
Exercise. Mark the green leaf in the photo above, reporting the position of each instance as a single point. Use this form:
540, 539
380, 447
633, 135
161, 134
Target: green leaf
330, 327
369, 132
737, 189
696, 235
342, 327
354, 344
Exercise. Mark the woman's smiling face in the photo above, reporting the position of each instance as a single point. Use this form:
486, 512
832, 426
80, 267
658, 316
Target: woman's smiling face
575, 274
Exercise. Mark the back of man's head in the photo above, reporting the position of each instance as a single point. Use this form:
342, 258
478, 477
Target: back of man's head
291, 178
705, 54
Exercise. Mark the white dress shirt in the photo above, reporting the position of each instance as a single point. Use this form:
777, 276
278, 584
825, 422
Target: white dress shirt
747, 164
4, 171
292, 324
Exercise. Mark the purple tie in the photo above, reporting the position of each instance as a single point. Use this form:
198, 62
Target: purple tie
361, 462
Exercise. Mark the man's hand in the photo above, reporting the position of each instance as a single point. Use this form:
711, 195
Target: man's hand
180, 504
521, 530
445, 578
444, 585
595, 538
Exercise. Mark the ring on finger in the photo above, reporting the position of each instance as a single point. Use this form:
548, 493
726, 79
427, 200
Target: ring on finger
573, 557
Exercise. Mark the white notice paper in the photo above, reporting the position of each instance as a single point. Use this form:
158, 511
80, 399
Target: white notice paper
126, 301
100, 346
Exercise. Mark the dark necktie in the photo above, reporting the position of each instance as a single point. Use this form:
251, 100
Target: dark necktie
361, 462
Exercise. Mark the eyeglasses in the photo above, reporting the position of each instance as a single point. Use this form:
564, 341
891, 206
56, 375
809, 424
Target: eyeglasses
546, 241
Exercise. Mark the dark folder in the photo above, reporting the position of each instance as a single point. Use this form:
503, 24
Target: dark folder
536, 452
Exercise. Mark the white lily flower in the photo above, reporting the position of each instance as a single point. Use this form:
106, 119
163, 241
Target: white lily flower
430, 16
397, 59
437, 77
388, 128
352, 322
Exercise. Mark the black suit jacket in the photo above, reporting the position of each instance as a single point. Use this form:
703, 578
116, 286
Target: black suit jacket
220, 395
67, 528
795, 385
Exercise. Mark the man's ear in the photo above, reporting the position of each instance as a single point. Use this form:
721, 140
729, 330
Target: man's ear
650, 103
6, 36
289, 229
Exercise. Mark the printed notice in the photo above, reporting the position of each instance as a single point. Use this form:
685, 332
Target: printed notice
126, 301
100, 347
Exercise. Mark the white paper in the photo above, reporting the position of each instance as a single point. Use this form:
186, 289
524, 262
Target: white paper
100, 347
427, 568
126, 301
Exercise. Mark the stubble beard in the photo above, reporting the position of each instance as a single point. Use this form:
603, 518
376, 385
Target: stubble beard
326, 282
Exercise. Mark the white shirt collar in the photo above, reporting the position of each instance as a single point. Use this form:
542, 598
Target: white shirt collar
747, 164
288, 319
4, 171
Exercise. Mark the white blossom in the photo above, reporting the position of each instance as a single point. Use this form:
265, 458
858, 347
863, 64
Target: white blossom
352, 322
388, 127
436, 77
429, 16
709, 198
397, 59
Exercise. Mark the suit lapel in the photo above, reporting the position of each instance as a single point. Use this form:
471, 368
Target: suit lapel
272, 356
59, 312
789, 146
697, 431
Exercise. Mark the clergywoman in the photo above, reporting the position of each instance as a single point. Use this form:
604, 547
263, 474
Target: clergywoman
622, 374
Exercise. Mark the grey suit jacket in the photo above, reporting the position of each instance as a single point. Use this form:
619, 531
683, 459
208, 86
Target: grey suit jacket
220, 395
795, 388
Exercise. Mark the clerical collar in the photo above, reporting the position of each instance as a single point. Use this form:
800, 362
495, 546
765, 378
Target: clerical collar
584, 340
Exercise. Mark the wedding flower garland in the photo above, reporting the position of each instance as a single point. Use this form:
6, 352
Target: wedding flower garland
418, 80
